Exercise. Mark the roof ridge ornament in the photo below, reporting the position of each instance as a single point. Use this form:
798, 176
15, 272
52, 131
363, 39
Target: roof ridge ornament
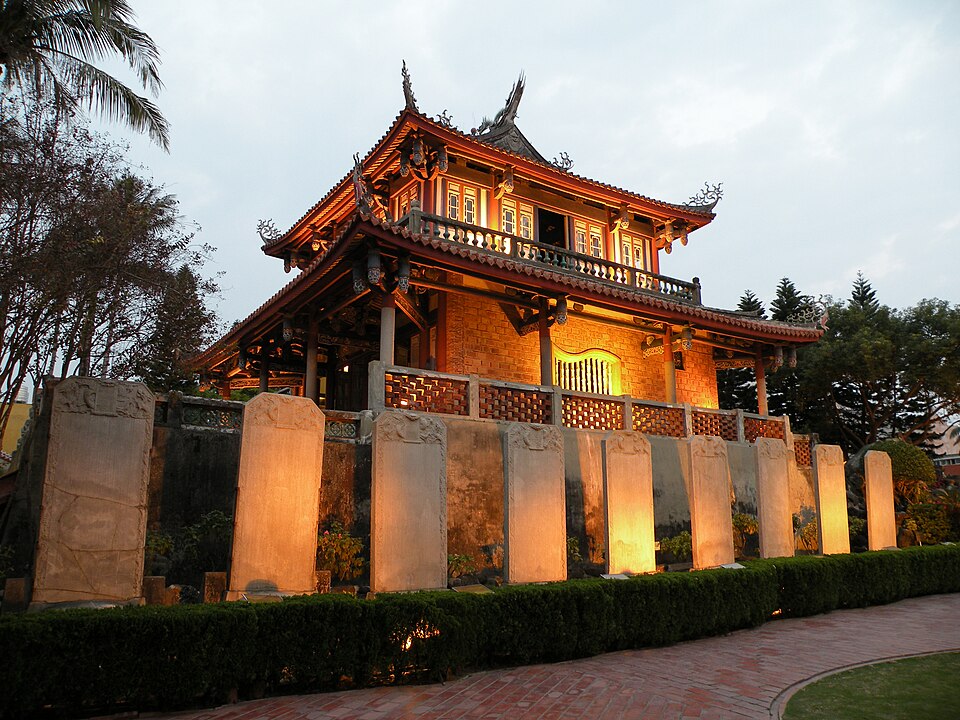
507, 114
563, 162
707, 198
408, 97
267, 231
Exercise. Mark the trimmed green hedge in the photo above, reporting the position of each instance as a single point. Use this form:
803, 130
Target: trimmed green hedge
86, 661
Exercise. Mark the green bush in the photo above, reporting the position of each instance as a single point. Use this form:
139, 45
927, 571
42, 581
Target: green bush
932, 522
94, 662
912, 470
339, 552
680, 546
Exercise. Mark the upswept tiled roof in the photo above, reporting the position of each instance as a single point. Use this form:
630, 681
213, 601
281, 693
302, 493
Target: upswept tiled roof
478, 140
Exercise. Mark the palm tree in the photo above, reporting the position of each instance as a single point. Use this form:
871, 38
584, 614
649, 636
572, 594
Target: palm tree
48, 47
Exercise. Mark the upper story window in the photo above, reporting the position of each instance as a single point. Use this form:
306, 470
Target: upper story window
635, 251
588, 238
463, 203
516, 219
404, 198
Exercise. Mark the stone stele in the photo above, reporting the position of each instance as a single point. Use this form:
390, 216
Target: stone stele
830, 489
711, 523
628, 503
774, 512
278, 495
408, 513
535, 526
93, 511
878, 485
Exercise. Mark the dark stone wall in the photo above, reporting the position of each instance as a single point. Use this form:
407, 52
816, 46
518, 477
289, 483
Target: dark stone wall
475, 492
583, 475
345, 488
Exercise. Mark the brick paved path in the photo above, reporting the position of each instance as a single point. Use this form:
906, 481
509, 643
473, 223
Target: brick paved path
741, 675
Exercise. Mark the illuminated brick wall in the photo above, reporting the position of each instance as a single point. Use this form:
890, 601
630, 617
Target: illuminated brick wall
481, 341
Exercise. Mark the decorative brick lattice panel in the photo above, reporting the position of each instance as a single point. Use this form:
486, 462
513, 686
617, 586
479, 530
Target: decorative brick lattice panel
212, 417
592, 413
658, 420
515, 405
426, 394
754, 428
706, 423
802, 448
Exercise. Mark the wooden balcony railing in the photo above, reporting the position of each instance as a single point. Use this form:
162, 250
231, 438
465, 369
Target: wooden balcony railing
560, 259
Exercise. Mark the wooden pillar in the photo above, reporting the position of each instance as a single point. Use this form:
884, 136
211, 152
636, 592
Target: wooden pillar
264, 371
332, 369
761, 384
546, 346
224, 389
441, 358
310, 375
669, 370
388, 328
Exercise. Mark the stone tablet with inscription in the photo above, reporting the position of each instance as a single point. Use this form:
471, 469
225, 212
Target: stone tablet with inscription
711, 523
535, 532
628, 503
878, 486
408, 513
774, 512
93, 510
830, 489
278, 495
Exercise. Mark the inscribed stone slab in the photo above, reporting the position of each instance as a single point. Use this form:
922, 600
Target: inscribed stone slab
408, 514
774, 510
830, 489
534, 504
711, 525
881, 523
628, 501
93, 511
278, 492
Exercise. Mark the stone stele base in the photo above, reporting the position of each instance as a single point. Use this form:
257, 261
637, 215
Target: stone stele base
774, 512
93, 511
278, 495
628, 503
711, 523
878, 484
408, 513
830, 489
535, 532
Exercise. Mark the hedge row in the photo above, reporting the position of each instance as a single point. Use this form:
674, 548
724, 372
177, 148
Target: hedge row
85, 661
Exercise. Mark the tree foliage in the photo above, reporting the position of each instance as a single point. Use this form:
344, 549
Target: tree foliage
49, 49
98, 272
877, 372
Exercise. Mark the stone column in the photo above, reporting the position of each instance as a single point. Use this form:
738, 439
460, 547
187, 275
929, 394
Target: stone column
388, 326
546, 346
830, 489
762, 408
278, 495
408, 503
774, 511
310, 373
669, 370
878, 486
628, 503
535, 525
709, 490
93, 509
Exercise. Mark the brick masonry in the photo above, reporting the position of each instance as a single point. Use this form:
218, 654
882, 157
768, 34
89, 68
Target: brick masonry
481, 341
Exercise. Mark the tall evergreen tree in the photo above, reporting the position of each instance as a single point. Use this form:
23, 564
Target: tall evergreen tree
737, 387
788, 301
863, 296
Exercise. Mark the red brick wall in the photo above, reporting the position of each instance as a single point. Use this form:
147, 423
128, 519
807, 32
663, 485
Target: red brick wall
481, 341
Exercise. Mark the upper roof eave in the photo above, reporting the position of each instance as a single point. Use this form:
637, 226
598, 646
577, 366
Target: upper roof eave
698, 216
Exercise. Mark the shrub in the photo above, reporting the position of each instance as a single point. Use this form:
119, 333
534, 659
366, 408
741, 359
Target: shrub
185, 554
930, 520
141, 658
339, 552
460, 565
744, 525
680, 546
912, 470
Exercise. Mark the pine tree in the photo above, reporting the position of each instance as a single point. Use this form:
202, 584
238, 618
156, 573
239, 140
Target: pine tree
737, 387
788, 301
863, 297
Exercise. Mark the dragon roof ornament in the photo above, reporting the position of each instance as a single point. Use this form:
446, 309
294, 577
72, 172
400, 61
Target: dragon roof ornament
707, 198
507, 114
409, 99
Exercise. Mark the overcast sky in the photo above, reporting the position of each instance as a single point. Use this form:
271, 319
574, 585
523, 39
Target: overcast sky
834, 126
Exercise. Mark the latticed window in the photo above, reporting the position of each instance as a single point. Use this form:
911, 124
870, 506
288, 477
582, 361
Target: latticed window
404, 198
469, 206
588, 238
591, 371
635, 251
515, 215
453, 202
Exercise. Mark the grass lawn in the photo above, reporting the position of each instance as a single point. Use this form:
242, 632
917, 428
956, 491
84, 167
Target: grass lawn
922, 688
